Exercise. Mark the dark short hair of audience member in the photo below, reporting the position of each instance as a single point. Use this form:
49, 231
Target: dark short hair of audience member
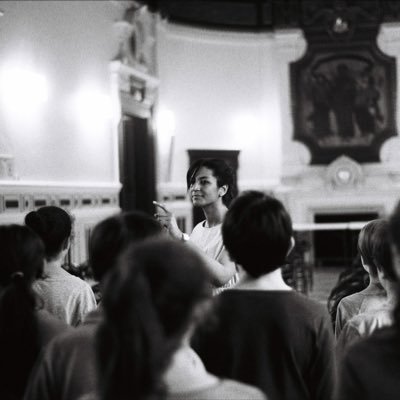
110, 236
22, 257
366, 238
257, 233
222, 172
149, 305
381, 252
54, 226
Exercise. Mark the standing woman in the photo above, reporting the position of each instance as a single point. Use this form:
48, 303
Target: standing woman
24, 330
210, 187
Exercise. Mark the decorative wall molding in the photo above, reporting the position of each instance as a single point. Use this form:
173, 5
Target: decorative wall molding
136, 32
304, 204
290, 44
135, 91
388, 39
344, 173
390, 151
7, 170
23, 197
212, 36
295, 157
88, 203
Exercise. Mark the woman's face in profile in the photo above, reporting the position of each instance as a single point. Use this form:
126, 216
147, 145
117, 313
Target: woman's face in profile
203, 190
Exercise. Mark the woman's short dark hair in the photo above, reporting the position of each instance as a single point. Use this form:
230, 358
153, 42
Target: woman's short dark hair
149, 303
22, 258
257, 232
374, 247
53, 225
222, 172
112, 235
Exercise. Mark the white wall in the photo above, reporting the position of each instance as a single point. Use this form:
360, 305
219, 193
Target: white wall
222, 88
67, 44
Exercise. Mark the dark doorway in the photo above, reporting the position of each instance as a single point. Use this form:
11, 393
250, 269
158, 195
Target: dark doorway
137, 169
337, 248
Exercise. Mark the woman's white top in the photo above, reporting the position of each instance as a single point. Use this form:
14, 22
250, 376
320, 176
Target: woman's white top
209, 239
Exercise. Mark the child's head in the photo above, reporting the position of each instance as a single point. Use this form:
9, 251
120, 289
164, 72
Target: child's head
53, 225
112, 235
257, 232
22, 255
374, 248
152, 300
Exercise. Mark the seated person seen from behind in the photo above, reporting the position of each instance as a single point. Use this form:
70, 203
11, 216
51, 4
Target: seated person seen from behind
64, 295
210, 187
25, 328
267, 334
67, 367
152, 302
365, 323
370, 368
374, 295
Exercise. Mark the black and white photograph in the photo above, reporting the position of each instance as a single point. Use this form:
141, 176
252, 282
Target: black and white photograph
199, 200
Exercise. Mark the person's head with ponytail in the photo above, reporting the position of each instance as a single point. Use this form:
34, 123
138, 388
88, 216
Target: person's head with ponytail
54, 226
22, 257
152, 301
113, 234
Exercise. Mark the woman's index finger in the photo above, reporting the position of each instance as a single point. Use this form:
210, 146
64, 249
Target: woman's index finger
157, 204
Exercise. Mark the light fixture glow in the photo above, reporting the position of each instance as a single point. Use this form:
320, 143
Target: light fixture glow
166, 123
93, 108
22, 89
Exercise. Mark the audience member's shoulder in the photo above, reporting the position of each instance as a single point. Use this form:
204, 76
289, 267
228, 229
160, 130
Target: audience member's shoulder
368, 322
378, 342
78, 281
350, 301
50, 326
237, 390
310, 305
82, 333
77, 286
225, 389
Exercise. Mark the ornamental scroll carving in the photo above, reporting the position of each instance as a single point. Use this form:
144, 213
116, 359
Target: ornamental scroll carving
136, 35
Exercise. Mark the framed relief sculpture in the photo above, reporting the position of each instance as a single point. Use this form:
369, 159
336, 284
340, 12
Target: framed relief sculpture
343, 92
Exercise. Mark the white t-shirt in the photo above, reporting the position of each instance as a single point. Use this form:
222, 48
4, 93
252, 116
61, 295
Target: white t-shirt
209, 239
65, 296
